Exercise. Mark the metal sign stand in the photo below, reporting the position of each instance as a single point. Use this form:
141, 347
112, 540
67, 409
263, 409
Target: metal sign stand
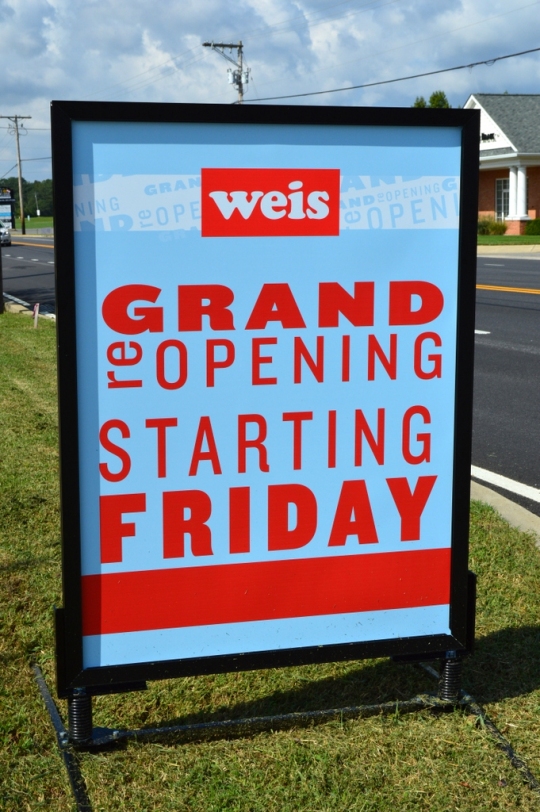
80, 735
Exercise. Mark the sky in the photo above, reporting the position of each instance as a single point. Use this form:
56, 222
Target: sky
141, 51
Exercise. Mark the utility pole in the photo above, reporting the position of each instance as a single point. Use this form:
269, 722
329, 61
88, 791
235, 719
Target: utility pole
237, 77
15, 128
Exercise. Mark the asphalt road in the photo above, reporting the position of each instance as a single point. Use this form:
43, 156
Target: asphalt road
28, 271
506, 431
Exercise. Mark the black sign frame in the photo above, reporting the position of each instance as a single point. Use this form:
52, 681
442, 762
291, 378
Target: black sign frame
70, 672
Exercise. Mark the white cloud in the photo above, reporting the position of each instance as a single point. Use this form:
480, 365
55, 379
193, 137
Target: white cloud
134, 51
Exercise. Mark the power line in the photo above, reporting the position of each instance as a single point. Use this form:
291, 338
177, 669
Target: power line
408, 45
24, 160
148, 70
399, 79
30, 129
5, 175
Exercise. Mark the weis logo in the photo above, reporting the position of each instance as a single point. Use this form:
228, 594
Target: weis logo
270, 202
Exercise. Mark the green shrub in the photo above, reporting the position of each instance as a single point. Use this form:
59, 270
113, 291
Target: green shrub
483, 225
487, 225
498, 227
533, 227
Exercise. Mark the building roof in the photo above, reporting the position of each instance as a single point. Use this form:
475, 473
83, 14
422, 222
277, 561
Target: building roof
517, 115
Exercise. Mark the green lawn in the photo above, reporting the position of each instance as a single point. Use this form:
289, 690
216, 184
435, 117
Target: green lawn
35, 222
486, 239
422, 761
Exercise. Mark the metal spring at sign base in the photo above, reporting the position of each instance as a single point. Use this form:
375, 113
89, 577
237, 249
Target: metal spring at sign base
80, 718
450, 679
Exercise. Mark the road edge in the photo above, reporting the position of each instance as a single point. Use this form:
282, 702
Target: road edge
519, 517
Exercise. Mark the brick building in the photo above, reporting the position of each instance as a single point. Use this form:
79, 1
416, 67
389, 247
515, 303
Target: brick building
509, 157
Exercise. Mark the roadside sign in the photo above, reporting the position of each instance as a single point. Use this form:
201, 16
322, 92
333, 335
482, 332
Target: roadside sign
266, 333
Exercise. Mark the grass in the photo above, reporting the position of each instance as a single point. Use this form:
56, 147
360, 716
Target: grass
35, 222
503, 239
416, 762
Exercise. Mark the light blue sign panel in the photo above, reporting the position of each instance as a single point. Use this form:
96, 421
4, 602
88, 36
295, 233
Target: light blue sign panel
187, 412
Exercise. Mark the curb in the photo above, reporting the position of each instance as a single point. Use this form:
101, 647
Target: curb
509, 250
519, 517
23, 310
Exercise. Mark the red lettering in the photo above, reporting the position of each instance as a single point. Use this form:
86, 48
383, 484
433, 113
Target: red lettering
411, 504
297, 418
257, 442
257, 359
114, 384
115, 310
122, 359
434, 359
275, 303
345, 358
176, 524
353, 516
362, 429
375, 350
111, 527
112, 448
425, 439
401, 302
280, 535
196, 301
204, 432
316, 367
211, 363
181, 349
239, 515
358, 309
161, 424
332, 421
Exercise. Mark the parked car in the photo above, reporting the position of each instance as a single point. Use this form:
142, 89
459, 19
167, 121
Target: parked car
5, 236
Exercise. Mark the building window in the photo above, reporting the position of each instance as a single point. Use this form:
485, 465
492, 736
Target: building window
502, 198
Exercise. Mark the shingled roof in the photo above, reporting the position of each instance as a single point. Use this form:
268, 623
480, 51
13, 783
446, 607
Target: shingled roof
517, 115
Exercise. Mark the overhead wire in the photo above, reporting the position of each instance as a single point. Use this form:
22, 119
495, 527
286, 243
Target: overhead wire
137, 75
264, 29
169, 73
444, 33
399, 79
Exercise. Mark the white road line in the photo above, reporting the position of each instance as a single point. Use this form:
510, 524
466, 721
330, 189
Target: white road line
17, 301
50, 263
504, 482
493, 265
35, 260
482, 332
20, 257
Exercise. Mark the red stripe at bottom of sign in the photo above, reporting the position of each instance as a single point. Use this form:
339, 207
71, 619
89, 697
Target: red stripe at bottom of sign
267, 590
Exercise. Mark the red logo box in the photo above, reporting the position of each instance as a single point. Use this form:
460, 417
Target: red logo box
270, 202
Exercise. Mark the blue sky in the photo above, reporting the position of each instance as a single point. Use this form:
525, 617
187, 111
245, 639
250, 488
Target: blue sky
68, 49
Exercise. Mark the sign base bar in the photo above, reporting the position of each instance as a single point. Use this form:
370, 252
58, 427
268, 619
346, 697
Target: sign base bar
81, 735
449, 696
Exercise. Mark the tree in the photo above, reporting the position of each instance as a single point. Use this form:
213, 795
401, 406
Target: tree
42, 189
437, 100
